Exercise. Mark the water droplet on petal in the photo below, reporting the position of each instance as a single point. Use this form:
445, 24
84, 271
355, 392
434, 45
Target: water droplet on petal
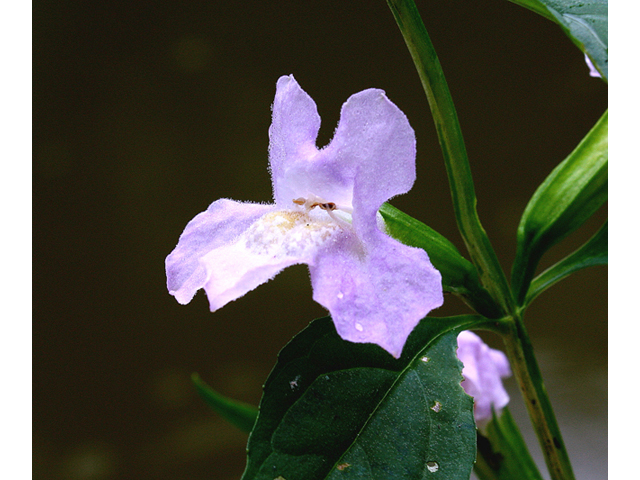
359, 327
340, 295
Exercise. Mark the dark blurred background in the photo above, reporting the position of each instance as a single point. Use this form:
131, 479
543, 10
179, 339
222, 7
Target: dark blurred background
146, 112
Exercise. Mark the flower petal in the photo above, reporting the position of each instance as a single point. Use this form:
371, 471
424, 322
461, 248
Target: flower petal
234, 270
378, 293
375, 137
292, 136
219, 225
373, 150
275, 241
483, 370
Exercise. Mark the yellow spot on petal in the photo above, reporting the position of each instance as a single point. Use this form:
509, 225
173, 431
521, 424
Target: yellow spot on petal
285, 220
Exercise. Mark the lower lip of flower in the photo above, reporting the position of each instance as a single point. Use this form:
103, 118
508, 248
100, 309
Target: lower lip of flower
288, 233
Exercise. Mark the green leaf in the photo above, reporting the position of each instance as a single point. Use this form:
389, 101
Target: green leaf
454, 150
336, 409
459, 276
585, 22
502, 452
241, 414
573, 191
592, 253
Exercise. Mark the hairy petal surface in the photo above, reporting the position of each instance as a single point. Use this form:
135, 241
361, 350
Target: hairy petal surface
376, 293
325, 215
372, 154
292, 140
277, 240
374, 137
219, 225
483, 371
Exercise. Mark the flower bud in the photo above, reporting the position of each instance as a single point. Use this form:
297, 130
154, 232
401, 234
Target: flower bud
483, 371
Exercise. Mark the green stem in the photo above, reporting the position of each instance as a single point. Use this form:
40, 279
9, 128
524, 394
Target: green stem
454, 151
527, 373
517, 341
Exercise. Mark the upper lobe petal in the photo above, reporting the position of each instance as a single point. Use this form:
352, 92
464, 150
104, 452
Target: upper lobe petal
375, 137
292, 135
370, 159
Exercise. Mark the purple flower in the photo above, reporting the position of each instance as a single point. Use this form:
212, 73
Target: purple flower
483, 369
592, 69
325, 214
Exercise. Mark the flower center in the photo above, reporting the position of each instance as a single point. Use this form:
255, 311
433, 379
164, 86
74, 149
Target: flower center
287, 233
310, 205
313, 201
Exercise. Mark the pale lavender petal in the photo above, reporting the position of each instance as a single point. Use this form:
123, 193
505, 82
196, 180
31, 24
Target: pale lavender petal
219, 225
375, 137
234, 270
298, 168
292, 136
373, 150
376, 293
275, 241
483, 371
